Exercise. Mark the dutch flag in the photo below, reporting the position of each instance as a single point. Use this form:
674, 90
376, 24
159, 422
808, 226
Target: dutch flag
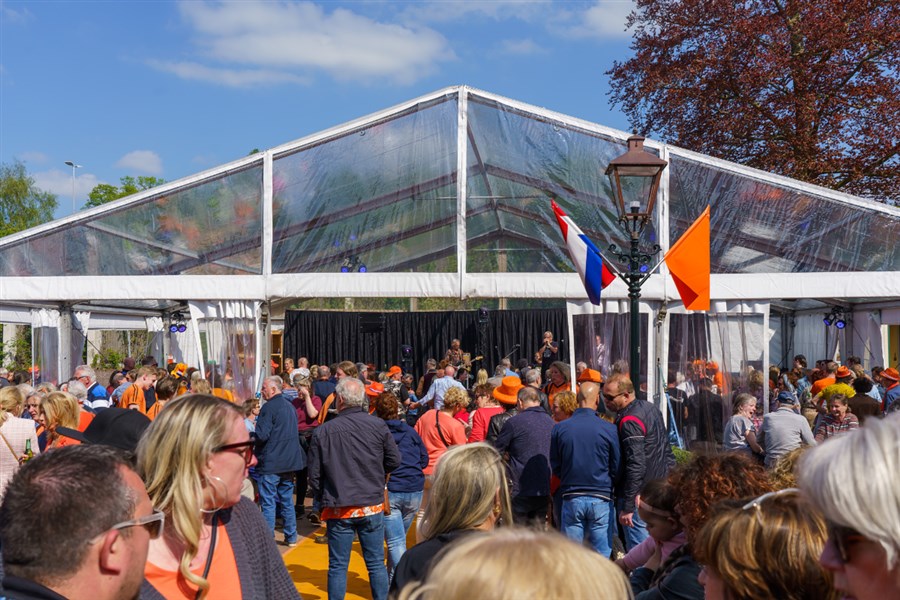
594, 273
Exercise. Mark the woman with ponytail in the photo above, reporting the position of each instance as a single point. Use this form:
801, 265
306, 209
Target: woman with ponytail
193, 459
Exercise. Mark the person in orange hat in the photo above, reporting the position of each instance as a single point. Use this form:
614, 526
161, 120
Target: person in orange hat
891, 380
373, 390
507, 394
590, 375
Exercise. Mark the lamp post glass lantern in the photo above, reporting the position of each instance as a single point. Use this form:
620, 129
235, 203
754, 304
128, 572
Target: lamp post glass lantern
634, 180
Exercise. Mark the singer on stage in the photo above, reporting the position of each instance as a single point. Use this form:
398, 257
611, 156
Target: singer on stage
548, 351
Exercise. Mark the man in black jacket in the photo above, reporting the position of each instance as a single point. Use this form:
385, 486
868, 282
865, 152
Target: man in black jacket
646, 454
349, 458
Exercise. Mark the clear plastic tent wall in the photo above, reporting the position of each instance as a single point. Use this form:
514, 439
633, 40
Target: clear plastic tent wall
448, 194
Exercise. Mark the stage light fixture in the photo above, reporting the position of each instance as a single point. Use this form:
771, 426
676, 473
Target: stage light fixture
840, 324
362, 268
836, 318
176, 323
406, 352
829, 319
483, 315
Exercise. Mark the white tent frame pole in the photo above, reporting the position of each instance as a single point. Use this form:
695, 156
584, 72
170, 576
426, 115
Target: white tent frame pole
267, 225
462, 145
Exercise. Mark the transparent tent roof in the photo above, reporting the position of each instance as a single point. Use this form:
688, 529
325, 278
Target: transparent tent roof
384, 192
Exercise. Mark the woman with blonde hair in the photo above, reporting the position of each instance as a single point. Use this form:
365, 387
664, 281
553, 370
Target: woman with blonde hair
469, 494
194, 458
59, 409
512, 564
766, 547
16, 435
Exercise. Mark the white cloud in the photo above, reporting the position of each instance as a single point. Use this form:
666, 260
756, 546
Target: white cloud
443, 11
11, 15
521, 47
605, 19
283, 41
59, 182
142, 161
33, 157
228, 77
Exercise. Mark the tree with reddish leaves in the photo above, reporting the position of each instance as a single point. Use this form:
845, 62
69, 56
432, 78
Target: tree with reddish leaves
805, 88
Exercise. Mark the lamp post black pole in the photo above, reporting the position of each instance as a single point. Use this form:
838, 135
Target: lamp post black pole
635, 275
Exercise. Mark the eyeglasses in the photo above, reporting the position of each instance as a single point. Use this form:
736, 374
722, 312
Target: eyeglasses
153, 523
611, 398
245, 448
842, 538
756, 503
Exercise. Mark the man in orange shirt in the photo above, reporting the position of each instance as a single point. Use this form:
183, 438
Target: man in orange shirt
831, 368
134, 397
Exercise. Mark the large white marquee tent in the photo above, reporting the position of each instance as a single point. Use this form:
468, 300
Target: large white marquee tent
448, 195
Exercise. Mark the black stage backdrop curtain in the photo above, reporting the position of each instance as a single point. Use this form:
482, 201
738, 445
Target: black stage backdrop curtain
328, 337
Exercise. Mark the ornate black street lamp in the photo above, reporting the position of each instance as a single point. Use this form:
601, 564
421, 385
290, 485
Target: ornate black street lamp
634, 179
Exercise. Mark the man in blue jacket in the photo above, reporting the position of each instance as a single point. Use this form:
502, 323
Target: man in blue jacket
584, 454
525, 440
279, 455
349, 459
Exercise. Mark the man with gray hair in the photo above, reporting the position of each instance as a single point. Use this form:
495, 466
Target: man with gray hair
97, 398
784, 430
435, 396
349, 460
279, 455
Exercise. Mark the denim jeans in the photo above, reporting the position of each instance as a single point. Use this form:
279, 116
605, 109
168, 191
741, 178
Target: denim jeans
404, 506
587, 516
370, 531
278, 489
635, 535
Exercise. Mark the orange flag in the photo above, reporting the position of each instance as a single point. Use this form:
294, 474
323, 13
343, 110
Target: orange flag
688, 262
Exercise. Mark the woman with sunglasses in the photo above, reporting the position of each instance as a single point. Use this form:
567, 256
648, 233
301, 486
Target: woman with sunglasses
854, 480
194, 458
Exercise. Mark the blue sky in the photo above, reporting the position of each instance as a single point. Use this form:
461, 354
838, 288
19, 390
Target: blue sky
173, 88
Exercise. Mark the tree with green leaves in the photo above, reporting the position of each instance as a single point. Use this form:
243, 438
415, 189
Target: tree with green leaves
22, 203
104, 192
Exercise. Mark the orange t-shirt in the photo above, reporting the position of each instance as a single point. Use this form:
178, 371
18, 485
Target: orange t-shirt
552, 390
454, 432
223, 579
821, 385
84, 419
134, 395
154, 410
223, 394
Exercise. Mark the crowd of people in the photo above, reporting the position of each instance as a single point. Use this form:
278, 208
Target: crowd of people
523, 484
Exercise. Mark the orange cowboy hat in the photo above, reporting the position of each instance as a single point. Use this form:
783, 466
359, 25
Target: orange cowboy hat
590, 375
507, 391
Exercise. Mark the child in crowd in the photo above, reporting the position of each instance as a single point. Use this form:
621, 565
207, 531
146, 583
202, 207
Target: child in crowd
656, 506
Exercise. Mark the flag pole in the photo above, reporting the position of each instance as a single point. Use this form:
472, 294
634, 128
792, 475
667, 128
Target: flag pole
655, 267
